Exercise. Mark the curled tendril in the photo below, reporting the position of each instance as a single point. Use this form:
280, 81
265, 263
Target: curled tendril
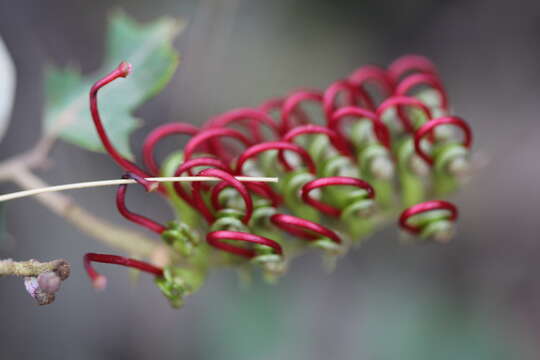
255, 150
399, 102
266, 192
187, 166
414, 80
207, 135
276, 105
131, 216
100, 282
376, 75
333, 181
292, 104
253, 118
355, 95
216, 239
410, 63
379, 128
335, 139
423, 208
430, 126
303, 228
160, 133
230, 181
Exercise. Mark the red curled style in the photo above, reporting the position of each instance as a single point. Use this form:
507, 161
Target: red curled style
216, 238
355, 96
410, 63
159, 133
333, 181
214, 133
230, 181
379, 128
414, 80
261, 189
122, 70
255, 150
430, 126
425, 207
398, 101
265, 191
335, 139
187, 166
292, 103
253, 117
303, 228
276, 104
99, 281
376, 75
131, 216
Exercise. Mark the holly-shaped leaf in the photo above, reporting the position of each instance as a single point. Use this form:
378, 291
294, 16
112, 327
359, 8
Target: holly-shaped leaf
7, 88
148, 48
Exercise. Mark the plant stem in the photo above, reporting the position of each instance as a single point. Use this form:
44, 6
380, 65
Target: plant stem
33, 267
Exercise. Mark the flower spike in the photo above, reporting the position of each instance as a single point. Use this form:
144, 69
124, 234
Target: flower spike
345, 176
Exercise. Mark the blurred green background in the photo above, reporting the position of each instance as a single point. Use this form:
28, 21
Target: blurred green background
476, 298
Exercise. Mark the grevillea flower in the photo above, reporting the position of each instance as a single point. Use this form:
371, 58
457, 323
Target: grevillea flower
376, 148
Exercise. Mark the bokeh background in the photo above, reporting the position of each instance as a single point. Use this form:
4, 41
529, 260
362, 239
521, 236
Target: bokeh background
475, 298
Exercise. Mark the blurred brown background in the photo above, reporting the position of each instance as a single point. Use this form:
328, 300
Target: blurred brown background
476, 298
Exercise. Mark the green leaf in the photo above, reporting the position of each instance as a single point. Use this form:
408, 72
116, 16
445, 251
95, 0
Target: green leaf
148, 48
7, 88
